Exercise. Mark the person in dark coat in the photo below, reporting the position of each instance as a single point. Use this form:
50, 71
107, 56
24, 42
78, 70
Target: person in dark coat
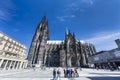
54, 74
58, 74
65, 73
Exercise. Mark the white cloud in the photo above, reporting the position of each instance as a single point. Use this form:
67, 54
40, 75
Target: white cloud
105, 40
71, 16
77, 6
6, 8
89, 2
63, 18
4, 15
72, 7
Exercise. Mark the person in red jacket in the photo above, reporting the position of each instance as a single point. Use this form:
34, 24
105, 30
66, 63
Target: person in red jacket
76, 73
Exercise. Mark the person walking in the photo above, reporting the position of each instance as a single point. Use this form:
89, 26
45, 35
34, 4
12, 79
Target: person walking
54, 74
70, 73
58, 74
65, 73
76, 73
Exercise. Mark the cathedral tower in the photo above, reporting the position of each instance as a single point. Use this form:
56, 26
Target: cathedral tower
37, 48
70, 45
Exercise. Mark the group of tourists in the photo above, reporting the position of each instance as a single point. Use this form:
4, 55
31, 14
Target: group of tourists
68, 73
56, 74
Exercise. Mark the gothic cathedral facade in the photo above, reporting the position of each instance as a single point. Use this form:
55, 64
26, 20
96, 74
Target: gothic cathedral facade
58, 53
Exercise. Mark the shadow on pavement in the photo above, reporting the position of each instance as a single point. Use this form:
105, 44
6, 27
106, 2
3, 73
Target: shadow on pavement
71, 78
106, 73
104, 78
65, 79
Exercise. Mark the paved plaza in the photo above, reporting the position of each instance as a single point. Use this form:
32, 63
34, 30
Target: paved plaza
85, 74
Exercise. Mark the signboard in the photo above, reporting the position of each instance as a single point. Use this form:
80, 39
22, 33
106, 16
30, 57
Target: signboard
96, 58
117, 53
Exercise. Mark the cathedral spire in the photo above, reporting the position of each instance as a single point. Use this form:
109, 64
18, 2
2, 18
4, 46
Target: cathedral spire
36, 52
45, 14
73, 34
44, 17
43, 21
67, 32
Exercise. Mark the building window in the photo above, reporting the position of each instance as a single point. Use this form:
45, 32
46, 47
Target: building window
0, 42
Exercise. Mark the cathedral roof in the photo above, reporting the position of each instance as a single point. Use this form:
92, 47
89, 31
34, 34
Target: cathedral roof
60, 41
82, 41
54, 41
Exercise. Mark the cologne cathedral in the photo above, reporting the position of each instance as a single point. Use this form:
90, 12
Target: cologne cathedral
58, 53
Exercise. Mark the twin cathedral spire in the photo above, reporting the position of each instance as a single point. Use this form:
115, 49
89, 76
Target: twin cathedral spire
65, 53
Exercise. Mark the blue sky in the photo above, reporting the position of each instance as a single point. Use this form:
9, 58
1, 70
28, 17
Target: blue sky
95, 21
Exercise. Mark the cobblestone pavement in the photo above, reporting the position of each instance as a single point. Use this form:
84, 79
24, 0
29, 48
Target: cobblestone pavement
85, 74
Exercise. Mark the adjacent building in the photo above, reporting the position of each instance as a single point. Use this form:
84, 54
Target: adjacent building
118, 42
54, 53
12, 53
107, 59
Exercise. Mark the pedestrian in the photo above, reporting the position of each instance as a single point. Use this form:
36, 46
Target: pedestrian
65, 73
70, 73
73, 74
54, 74
58, 74
76, 73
